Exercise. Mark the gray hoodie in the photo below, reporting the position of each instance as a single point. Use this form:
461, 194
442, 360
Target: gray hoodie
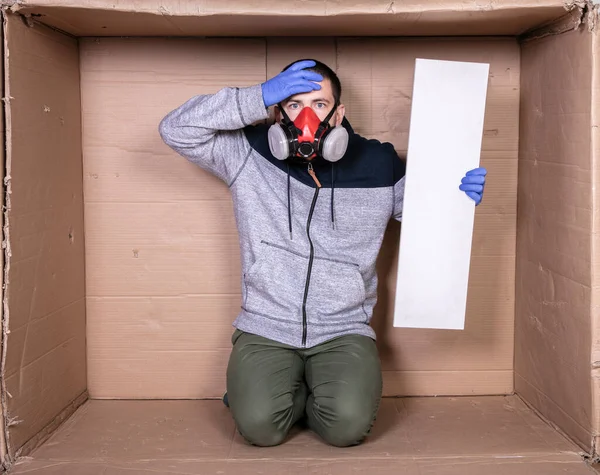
308, 253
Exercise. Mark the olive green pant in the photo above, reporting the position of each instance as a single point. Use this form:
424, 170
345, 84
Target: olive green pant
336, 386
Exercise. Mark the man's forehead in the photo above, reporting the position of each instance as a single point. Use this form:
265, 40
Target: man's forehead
323, 94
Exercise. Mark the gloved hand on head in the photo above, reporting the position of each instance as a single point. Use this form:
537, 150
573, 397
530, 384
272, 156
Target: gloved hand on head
292, 81
473, 184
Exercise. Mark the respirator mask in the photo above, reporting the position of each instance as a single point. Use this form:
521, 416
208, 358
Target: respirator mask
307, 137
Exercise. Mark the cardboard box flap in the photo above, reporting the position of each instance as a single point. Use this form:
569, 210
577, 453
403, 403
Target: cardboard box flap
595, 293
297, 18
44, 307
554, 251
293, 7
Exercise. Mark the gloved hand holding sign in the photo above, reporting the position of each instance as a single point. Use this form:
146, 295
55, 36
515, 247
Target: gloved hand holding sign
294, 80
473, 184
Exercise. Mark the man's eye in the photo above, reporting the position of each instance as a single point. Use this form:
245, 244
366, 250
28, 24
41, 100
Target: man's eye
293, 106
320, 105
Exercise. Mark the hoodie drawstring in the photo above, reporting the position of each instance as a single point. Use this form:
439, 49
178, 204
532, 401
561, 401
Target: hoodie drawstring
332, 191
289, 199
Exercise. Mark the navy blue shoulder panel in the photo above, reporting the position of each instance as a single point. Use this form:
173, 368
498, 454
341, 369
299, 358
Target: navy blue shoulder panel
366, 164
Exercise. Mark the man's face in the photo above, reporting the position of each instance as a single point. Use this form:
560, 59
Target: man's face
321, 101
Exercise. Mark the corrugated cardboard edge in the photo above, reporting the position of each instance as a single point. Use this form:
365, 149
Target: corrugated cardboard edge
595, 357
6, 246
3, 447
590, 10
578, 13
325, 17
294, 8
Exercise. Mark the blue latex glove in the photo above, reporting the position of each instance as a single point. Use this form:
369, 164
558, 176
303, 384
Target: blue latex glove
294, 80
473, 184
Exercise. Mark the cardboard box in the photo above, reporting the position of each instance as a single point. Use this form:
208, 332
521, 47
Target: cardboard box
121, 265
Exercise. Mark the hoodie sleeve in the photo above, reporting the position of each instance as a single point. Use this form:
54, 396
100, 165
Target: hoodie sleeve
399, 170
208, 129
398, 199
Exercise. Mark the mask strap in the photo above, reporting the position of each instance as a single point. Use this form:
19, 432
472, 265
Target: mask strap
286, 119
330, 115
282, 110
325, 122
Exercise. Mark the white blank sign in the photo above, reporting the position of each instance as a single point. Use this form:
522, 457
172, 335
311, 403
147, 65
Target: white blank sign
446, 130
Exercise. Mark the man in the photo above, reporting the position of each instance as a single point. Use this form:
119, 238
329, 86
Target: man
312, 201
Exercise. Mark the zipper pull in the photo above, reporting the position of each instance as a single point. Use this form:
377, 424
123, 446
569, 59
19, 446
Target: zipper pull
312, 173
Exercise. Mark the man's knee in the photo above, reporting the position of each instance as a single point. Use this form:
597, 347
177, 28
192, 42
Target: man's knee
259, 425
345, 421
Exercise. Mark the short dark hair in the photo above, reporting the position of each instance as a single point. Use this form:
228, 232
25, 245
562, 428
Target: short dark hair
327, 73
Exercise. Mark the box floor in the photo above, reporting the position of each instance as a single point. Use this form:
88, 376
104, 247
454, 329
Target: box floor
424, 436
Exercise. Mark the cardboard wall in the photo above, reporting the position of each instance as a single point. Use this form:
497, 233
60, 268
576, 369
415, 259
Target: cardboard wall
162, 249
595, 313
45, 368
554, 261
161, 245
3, 346
296, 17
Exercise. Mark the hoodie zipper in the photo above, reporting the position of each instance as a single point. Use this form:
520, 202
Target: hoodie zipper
311, 258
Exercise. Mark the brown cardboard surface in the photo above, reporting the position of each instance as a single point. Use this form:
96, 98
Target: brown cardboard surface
175, 245
459, 382
273, 18
163, 283
497, 435
45, 367
294, 7
380, 101
543, 466
3, 347
595, 296
532, 466
42, 436
282, 51
553, 326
